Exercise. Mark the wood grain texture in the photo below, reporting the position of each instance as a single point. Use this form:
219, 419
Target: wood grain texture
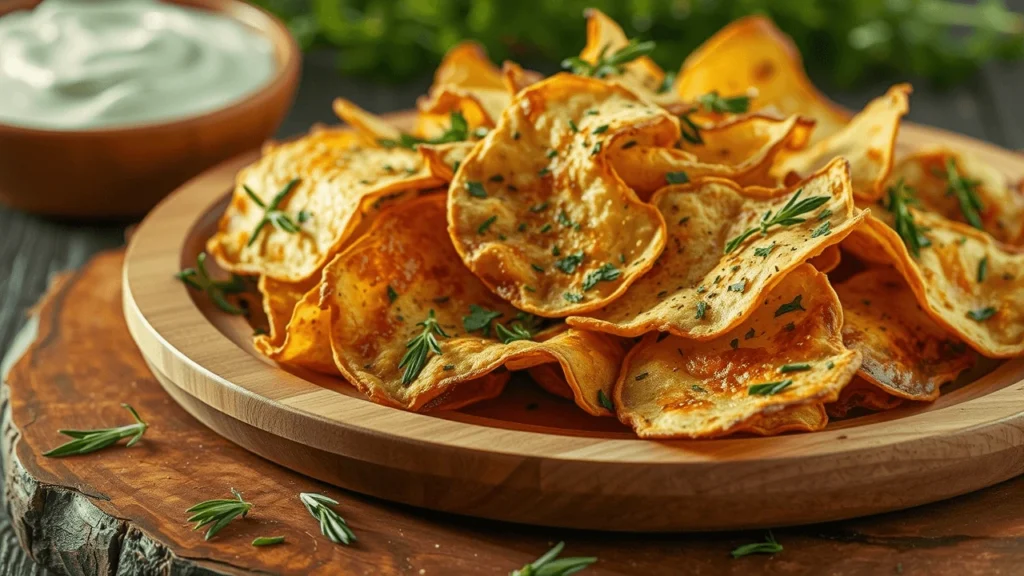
122, 509
498, 464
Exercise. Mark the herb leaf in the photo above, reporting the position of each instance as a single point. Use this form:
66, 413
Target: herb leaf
268, 540
415, 357
769, 388
791, 306
218, 513
551, 565
476, 189
982, 269
789, 214
900, 198
769, 546
331, 524
607, 64
271, 215
677, 178
86, 441
605, 401
573, 297
606, 273
799, 367
966, 192
981, 314
199, 279
479, 318
457, 131
570, 262
712, 102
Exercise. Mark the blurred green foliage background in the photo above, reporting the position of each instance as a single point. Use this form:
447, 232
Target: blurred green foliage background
845, 40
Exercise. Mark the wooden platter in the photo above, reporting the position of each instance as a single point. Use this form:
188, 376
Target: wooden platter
528, 458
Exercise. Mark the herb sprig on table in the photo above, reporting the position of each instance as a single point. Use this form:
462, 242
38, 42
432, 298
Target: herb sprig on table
551, 565
87, 441
769, 546
331, 524
218, 513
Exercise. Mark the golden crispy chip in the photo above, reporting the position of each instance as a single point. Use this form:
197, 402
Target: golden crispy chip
806, 418
536, 211
444, 159
1002, 202
868, 142
753, 53
967, 282
672, 387
740, 149
699, 291
516, 77
402, 273
310, 192
468, 82
828, 260
905, 352
642, 75
860, 393
371, 128
279, 299
466, 65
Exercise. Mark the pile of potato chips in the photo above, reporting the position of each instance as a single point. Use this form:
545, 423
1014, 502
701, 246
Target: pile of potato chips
716, 251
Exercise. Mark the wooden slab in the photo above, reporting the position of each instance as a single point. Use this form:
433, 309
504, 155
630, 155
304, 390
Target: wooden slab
121, 511
552, 466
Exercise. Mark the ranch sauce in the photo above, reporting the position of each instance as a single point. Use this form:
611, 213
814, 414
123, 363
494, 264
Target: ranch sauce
83, 64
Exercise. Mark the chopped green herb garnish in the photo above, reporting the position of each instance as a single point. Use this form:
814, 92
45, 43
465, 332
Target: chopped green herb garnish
702, 289
734, 343
981, 314
521, 227
512, 333
629, 145
769, 388
752, 333
537, 268
476, 189
824, 230
801, 367
456, 132
564, 220
698, 388
600, 129
552, 153
479, 318
544, 172
789, 327
605, 63
791, 307
486, 224
677, 178
712, 102
415, 357
982, 269
738, 287
605, 401
824, 214
271, 214
569, 264
304, 216
539, 207
573, 297
702, 307
595, 149
606, 273
966, 192
392, 295
640, 376
900, 198
545, 228
555, 251
449, 367
622, 258
573, 126
764, 251
690, 130
787, 216
496, 178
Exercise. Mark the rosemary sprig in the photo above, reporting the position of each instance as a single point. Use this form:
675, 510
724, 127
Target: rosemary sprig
787, 216
457, 131
966, 192
769, 546
271, 215
713, 102
551, 565
218, 513
217, 290
900, 198
331, 524
524, 327
86, 441
417, 349
606, 64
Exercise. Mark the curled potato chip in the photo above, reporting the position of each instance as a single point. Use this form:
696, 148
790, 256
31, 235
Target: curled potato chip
740, 149
868, 142
402, 281
516, 77
468, 82
279, 299
444, 159
642, 75
967, 282
673, 387
753, 53
905, 353
860, 393
297, 205
537, 212
698, 289
828, 260
371, 128
466, 65
1002, 202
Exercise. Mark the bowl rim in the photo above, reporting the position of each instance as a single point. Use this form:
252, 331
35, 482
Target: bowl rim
286, 50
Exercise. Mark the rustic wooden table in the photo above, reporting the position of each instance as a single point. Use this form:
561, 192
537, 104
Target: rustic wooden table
975, 528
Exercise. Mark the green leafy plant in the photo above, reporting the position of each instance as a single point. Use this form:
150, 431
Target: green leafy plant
848, 41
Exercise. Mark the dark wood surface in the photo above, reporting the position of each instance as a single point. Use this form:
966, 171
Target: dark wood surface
33, 249
121, 511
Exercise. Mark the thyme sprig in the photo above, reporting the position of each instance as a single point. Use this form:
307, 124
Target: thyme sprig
218, 513
606, 63
216, 290
331, 524
787, 216
415, 357
457, 131
900, 198
271, 214
966, 192
551, 565
86, 441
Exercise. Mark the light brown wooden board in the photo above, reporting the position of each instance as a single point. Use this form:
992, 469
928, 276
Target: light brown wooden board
553, 466
122, 510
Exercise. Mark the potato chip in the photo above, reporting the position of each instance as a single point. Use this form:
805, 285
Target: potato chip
868, 142
371, 128
642, 75
740, 149
516, 77
699, 288
860, 393
828, 260
279, 299
295, 206
444, 159
947, 182
905, 353
805, 418
536, 211
967, 282
468, 82
673, 387
466, 65
408, 321
751, 53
